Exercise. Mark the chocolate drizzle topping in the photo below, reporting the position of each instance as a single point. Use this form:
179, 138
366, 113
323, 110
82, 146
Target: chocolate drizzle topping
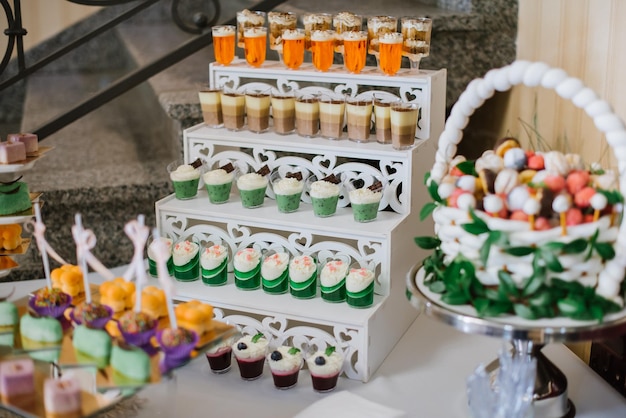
263, 171
376, 187
297, 176
332, 178
196, 163
228, 167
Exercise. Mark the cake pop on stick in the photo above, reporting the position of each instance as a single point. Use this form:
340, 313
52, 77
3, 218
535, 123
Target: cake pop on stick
531, 208
162, 254
560, 205
598, 202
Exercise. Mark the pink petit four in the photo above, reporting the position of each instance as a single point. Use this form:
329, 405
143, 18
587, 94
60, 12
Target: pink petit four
30, 142
62, 398
17, 381
11, 152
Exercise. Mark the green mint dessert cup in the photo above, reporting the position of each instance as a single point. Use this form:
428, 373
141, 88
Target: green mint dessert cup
187, 189
188, 272
288, 203
152, 267
278, 286
334, 294
324, 207
248, 280
305, 290
215, 277
252, 198
362, 299
365, 212
219, 193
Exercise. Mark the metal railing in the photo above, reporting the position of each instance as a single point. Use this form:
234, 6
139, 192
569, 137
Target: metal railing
200, 25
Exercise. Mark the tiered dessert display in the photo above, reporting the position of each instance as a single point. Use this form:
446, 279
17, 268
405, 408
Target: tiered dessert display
529, 245
305, 233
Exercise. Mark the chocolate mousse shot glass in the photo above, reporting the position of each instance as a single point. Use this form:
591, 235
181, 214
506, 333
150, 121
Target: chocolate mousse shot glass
211, 106
359, 115
233, 110
403, 124
258, 110
284, 112
307, 115
332, 110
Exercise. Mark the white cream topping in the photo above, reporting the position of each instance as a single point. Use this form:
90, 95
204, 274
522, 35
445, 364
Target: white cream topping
167, 241
333, 272
359, 279
288, 186
184, 251
224, 31
274, 265
252, 350
185, 172
251, 181
288, 363
212, 257
322, 35
248, 16
322, 189
332, 366
364, 196
301, 268
218, 176
246, 259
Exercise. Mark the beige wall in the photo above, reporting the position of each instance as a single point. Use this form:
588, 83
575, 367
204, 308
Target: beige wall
45, 18
587, 38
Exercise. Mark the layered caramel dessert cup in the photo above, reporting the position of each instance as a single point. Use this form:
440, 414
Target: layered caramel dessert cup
287, 188
325, 366
313, 22
382, 118
332, 111
416, 32
248, 19
333, 279
258, 110
211, 106
303, 277
218, 182
224, 43
252, 188
324, 194
376, 26
275, 272
283, 112
359, 118
247, 268
345, 22
404, 118
250, 352
185, 178
233, 109
307, 114
214, 264
278, 22
360, 286
285, 364
364, 199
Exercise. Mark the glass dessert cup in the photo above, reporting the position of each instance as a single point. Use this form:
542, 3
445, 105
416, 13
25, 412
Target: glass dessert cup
252, 188
324, 195
186, 259
390, 53
248, 19
284, 112
224, 43
307, 111
404, 117
247, 269
258, 110
233, 109
332, 110
218, 182
365, 196
275, 272
287, 184
416, 32
185, 179
354, 50
346, 22
303, 277
333, 279
255, 40
293, 48
360, 286
211, 105
214, 260
278, 23
323, 49
359, 118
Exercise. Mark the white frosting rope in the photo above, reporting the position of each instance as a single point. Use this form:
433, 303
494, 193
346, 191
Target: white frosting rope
532, 74
138, 233
38, 229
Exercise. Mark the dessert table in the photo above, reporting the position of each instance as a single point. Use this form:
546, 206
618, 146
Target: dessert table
423, 376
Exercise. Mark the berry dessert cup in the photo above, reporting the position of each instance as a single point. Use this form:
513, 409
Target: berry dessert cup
220, 357
247, 269
214, 265
303, 277
250, 354
285, 364
325, 368
275, 273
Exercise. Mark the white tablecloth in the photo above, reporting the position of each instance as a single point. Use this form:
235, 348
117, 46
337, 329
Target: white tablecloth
424, 376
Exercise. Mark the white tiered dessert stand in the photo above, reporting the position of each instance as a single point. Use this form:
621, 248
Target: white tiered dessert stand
365, 336
529, 336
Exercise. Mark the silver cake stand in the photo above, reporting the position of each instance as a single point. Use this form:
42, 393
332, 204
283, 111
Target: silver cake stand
526, 337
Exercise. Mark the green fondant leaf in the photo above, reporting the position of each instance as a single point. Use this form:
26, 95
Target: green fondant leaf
481, 305
552, 262
427, 243
541, 299
427, 209
467, 167
475, 228
455, 298
437, 287
433, 191
532, 284
294, 350
507, 283
329, 350
575, 247
257, 337
570, 307
605, 250
524, 311
519, 251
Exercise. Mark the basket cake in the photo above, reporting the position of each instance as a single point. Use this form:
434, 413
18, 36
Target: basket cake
536, 234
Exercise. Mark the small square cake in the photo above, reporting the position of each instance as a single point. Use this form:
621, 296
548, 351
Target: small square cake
62, 398
17, 382
30, 141
11, 152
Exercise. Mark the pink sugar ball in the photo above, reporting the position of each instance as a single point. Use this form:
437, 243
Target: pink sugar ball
573, 216
583, 197
536, 162
577, 180
554, 182
452, 200
541, 224
518, 215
